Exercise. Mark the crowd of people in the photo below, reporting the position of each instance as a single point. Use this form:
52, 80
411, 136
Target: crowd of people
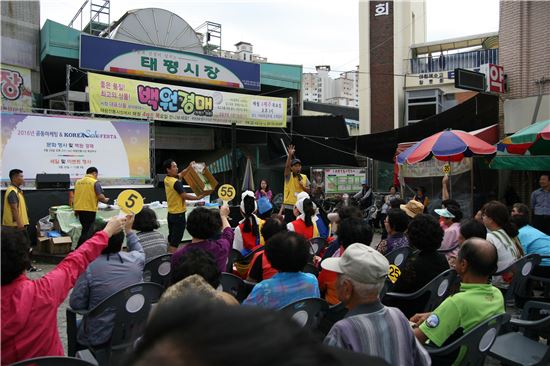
350, 270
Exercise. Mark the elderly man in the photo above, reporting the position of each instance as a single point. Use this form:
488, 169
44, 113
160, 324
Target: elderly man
370, 327
476, 302
540, 203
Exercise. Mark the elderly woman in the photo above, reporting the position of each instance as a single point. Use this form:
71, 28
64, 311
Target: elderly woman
152, 242
396, 223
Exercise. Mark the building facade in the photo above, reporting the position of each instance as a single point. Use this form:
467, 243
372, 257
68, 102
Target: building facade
244, 52
320, 87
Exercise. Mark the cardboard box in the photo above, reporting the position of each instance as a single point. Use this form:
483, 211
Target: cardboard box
197, 184
42, 244
60, 245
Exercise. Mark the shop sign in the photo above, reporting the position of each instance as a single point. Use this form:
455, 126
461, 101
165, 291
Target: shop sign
16, 89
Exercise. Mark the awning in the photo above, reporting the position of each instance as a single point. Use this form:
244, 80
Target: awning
485, 39
503, 160
223, 164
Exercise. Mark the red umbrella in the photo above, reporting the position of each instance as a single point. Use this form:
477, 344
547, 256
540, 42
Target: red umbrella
448, 145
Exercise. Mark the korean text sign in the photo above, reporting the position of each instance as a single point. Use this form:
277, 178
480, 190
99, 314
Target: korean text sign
128, 58
139, 99
70, 145
16, 89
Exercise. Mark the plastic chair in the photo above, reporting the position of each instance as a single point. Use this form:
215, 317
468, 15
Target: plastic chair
478, 341
521, 270
310, 268
519, 348
439, 289
317, 245
234, 256
54, 361
449, 250
399, 256
235, 286
306, 312
131, 307
158, 270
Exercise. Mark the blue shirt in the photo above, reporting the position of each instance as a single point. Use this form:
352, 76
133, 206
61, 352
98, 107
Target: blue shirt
540, 202
283, 289
535, 241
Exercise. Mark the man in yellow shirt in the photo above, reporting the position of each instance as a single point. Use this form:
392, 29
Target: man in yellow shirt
176, 196
87, 192
295, 182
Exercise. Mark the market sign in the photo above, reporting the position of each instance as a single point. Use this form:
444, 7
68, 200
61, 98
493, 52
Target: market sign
16, 89
495, 77
103, 54
116, 96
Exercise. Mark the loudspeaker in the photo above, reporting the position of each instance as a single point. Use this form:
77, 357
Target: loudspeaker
53, 181
158, 182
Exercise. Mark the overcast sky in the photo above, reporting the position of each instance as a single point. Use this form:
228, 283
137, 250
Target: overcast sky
304, 32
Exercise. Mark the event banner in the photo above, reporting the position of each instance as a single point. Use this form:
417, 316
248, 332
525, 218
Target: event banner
103, 54
69, 145
141, 99
16, 89
434, 168
344, 180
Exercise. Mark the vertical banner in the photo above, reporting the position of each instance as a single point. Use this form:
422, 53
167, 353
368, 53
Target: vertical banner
69, 145
16, 89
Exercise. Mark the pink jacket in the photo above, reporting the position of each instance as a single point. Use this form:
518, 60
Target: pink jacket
29, 308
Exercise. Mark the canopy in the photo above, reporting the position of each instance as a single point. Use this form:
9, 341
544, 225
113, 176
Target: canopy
534, 139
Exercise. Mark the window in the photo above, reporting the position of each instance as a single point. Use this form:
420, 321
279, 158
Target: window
422, 104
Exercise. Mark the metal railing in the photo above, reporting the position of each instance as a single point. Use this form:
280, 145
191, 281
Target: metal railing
449, 62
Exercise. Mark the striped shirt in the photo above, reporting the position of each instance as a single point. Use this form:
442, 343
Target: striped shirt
506, 248
153, 244
378, 331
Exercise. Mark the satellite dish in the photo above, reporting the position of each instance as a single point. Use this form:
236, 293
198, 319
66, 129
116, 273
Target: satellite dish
157, 27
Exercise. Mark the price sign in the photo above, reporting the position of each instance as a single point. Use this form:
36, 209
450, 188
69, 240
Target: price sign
393, 273
130, 201
447, 168
226, 192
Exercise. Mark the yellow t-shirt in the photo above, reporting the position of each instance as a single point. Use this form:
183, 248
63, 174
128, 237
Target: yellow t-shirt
85, 197
292, 188
176, 204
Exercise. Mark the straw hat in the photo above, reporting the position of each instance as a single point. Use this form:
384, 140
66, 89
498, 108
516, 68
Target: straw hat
412, 208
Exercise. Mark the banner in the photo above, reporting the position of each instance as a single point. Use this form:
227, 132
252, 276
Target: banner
434, 168
103, 54
16, 89
141, 99
119, 149
344, 180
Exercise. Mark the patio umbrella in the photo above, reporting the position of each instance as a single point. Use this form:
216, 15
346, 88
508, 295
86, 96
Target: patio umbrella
448, 145
248, 180
533, 139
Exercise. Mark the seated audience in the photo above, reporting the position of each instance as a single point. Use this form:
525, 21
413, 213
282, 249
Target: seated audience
397, 202
152, 242
503, 235
412, 208
396, 222
260, 267
202, 267
350, 230
471, 229
335, 218
532, 240
204, 225
444, 204
369, 326
288, 253
420, 267
477, 300
195, 331
451, 216
247, 233
112, 271
306, 217
29, 308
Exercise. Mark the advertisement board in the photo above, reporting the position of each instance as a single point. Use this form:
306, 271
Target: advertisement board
347, 180
141, 99
119, 149
16, 89
103, 54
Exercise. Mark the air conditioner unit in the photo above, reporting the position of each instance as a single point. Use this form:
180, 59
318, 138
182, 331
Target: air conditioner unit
60, 105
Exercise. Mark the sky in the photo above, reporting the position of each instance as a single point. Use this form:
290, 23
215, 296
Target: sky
302, 32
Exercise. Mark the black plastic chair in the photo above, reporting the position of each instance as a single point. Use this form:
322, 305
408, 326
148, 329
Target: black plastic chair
131, 307
54, 361
449, 250
306, 312
317, 245
331, 315
158, 270
235, 286
521, 270
234, 256
310, 268
478, 342
523, 347
439, 289
399, 256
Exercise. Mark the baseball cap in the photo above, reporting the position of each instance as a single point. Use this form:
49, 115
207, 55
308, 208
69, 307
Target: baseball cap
360, 262
412, 208
444, 213
295, 161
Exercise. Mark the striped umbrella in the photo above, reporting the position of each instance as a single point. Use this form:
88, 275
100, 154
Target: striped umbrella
534, 139
448, 145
